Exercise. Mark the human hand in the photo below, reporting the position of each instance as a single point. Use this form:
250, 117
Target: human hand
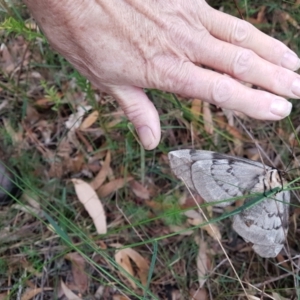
125, 46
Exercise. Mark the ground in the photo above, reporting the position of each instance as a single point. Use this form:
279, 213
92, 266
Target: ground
94, 216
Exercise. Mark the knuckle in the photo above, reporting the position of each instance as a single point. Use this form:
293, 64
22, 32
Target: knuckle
173, 74
241, 32
179, 33
133, 111
222, 91
279, 80
243, 62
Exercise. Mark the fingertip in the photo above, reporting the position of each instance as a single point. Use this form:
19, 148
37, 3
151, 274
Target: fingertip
142, 113
290, 60
280, 107
147, 138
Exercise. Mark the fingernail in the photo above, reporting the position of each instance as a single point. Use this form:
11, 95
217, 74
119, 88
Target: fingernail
280, 107
296, 87
290, 61
146, 137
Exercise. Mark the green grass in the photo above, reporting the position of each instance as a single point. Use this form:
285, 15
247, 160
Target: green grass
63, 226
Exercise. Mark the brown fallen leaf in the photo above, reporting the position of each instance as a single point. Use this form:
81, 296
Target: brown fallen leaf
68, 293
89, 120
32, 116
113, 186
30, 293
141, 263
207, 118
80, 277
200, 294
88, 197
4, 296
120, 297
139, 190
202, 261
74, 121
195, 219
101, 176
122, 258
181, 230
44, 103
16, 137
29, 210
261, 17
196, 109
7, 61
277, 296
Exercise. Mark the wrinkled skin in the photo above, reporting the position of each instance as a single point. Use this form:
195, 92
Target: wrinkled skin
123, 46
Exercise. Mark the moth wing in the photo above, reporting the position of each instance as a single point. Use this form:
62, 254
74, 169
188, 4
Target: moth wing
265, 224
180, 162
218, 177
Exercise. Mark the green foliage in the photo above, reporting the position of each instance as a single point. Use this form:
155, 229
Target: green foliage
18, 27
51, 93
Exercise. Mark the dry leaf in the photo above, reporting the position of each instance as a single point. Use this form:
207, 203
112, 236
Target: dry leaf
196, 108
122, 258
30, 293
261, 17
113, 186
278, 297
196, 111
80, 277
4, 296
7, 61
139, 190
200, 294
99, 293
29, 268
89, 120
16, 137
3, 103
32, 116
30, 197
101, 176
141, 263
68, 293
207, 118
120, 297
88, 197
202, 261
74, 120
249, 297
195, 219
29, 210
44, 103
180, 230
213, 230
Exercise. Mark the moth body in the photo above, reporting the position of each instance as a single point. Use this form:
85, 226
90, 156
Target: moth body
220, 177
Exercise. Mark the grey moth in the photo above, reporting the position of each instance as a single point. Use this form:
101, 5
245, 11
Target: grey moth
216, 177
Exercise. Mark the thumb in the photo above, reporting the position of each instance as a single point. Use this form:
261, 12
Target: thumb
141, 112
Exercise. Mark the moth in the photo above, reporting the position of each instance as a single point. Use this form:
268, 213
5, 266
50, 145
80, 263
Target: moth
216, 177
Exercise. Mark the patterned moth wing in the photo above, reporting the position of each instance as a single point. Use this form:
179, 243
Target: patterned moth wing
216, 177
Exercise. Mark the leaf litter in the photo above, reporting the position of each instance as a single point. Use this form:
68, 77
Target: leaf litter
59, 129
